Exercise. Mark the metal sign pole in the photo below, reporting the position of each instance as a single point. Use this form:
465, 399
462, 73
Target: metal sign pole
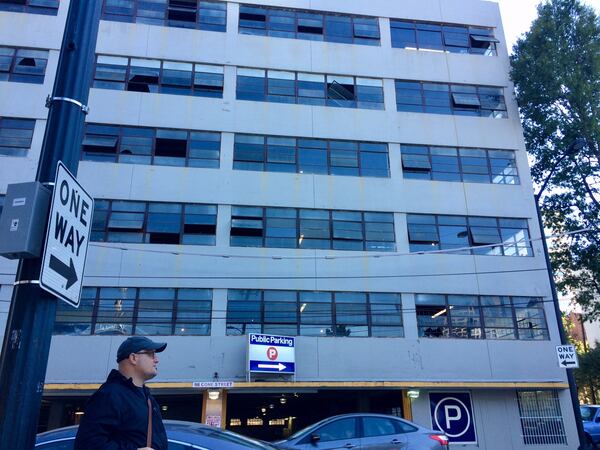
32, 311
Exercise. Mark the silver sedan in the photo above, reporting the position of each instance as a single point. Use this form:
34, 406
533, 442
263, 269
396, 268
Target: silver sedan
364, 432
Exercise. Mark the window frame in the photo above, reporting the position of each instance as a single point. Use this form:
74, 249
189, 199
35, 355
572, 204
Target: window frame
302, 216
161, 87
117, 155
200, 22
446, 28
354, 36
12, 75
330, 326
449, 107
96, 319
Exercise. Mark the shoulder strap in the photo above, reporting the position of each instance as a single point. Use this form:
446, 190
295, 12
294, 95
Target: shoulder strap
149, 434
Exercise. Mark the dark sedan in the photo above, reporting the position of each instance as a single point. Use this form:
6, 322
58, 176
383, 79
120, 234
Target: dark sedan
181, 436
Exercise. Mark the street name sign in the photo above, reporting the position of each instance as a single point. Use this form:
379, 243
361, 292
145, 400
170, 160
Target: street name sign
271, 354
67, 238
567, 356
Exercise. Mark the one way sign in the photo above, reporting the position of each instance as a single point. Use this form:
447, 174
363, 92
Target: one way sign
567, 356
67, 238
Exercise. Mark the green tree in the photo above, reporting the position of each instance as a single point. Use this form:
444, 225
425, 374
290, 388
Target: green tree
587, 376
556, 72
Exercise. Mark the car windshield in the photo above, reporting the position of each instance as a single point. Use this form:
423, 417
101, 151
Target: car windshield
588, 413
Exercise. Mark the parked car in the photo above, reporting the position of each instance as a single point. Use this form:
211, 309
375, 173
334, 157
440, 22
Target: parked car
181, 436
364, 432
590, 414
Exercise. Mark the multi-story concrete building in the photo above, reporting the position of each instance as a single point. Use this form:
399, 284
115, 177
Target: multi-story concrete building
304, 168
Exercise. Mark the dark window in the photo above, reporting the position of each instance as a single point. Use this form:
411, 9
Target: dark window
141, 311
338, 429
342, 314
497, 236
154, 223
15, 136
478, 317
153, 75
2, 197
463, 164
23, 65
283, 154
46, 7
203, 15
441, 98
311, 229
136, 145
309, 89
443, 37
297, 24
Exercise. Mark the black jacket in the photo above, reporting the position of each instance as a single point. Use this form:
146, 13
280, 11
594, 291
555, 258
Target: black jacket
116, 418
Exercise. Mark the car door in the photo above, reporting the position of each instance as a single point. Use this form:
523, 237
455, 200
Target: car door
336, 435
381, 433
595, 427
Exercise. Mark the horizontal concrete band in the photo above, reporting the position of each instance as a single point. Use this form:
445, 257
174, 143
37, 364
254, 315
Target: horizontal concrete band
248, 386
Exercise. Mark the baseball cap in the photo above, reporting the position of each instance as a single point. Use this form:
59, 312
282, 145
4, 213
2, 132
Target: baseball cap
136, 344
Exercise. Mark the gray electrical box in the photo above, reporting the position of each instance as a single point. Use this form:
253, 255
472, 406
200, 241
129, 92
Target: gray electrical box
24, 219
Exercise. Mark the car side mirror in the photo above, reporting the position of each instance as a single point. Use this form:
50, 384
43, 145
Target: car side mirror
314, 438
597, 419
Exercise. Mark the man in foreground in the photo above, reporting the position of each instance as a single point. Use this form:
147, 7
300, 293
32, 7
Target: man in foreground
122, 414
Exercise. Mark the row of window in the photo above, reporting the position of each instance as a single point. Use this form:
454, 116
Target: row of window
320, 156
15, 136
154, 223
415, 35
309, 88
157, 146
153, 75
46, 7
444, 98
497, 236
302, 24
479, 317
459, 164
255, 226
23, 65
295, 24
203, 15
169, 311
355, 314
312, 229
172, 147
142, 311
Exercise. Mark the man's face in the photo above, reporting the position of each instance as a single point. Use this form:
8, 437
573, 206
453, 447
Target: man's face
146, 364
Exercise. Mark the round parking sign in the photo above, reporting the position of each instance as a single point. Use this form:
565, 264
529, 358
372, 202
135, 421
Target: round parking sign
452, 414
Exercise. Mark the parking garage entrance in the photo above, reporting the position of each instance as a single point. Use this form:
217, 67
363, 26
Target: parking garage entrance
272, 415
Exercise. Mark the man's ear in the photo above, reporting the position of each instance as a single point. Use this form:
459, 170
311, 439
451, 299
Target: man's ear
132, 358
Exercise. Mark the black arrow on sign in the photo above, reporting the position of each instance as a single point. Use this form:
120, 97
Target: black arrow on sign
568, 363
67, 272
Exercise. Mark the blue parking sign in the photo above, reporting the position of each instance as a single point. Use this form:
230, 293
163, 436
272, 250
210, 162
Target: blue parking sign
452, 414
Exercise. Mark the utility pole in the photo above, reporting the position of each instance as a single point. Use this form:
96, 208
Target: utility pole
32, 311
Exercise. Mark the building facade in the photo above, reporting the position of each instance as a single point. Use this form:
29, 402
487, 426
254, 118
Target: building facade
349, 173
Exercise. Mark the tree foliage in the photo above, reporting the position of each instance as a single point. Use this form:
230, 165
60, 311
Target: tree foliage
556, 72
587, 377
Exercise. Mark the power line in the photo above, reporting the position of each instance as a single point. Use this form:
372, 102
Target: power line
331, 257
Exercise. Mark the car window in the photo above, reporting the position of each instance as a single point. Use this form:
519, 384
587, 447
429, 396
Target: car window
63, 444
587, 412
403, 427
377, 426
339, 429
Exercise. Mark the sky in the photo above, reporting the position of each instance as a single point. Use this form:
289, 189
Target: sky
517, 16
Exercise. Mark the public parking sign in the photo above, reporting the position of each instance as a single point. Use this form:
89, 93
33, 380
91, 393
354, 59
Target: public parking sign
271, 354
67, 238
452, 414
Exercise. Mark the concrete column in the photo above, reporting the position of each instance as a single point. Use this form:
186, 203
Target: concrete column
214, 412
